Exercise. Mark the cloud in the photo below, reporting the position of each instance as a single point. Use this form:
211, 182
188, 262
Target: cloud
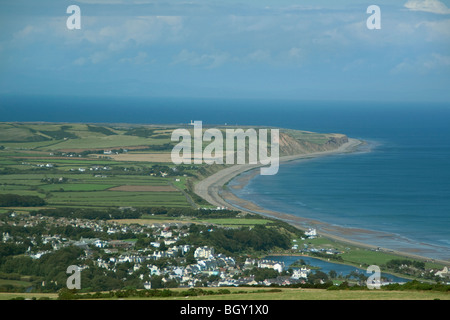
433, 6
102, 1
194, 59
436, 30
28, 32
259, 55
140, 59
433, 63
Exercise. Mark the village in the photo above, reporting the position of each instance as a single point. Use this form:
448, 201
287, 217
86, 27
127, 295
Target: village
157, 250
156, 255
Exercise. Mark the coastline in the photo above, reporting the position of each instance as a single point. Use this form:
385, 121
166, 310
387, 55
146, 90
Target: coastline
211, 189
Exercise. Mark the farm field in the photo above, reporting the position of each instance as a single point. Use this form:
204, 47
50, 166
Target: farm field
73, 165
224, 222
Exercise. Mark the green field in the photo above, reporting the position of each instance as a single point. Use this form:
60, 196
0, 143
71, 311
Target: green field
72, 136
235, 223
28, 148
77, 187
361, 256
118, 199
224, 222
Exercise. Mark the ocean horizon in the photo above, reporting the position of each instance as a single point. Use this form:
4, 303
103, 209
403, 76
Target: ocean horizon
398, 183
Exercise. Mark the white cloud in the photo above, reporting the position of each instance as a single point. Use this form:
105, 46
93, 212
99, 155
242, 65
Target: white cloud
98, 57
29, 32
259, 55
207, 60
140, 59
102, 1
436, 30
433, 6
295, 53
80, 61
115, 34
95, 58
433, 63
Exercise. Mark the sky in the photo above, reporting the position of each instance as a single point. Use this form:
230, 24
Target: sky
284, 49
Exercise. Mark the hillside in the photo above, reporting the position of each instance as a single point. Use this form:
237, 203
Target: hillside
135, 139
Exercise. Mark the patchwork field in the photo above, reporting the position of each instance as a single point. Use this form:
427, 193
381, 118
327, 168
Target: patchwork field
73, 165
138, 156
144, 188
91, 165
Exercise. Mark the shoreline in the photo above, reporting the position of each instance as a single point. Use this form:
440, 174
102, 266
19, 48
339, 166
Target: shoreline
212, 190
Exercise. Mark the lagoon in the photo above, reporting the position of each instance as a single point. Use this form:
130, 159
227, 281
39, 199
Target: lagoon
326, 267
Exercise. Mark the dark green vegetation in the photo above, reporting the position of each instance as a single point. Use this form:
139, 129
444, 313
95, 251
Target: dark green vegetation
14, 200
66, 294
232, 241
136, 213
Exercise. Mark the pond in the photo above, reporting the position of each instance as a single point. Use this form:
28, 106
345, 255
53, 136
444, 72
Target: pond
326, 267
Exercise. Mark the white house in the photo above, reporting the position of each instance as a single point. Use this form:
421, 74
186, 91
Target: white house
311, 233
249, 263
147, 285
154, 270
443, 273
277, 266
155, 244
300, 273
166, 234
203, 252
100, 243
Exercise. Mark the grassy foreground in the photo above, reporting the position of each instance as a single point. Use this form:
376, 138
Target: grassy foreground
278, 294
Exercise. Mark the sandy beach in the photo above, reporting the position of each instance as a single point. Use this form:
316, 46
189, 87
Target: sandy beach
211, 189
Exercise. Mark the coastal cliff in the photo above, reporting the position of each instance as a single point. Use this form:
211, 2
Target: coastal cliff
294, 142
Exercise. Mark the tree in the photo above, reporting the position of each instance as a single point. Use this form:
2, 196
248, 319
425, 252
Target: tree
190, 259
317, 277
156, 282
262, 274
332, 274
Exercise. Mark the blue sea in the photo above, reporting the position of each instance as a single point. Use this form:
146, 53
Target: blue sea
398, 184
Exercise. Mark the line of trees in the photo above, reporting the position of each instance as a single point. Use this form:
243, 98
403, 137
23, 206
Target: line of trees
15, 200
90, 214
397, 264
134, 213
